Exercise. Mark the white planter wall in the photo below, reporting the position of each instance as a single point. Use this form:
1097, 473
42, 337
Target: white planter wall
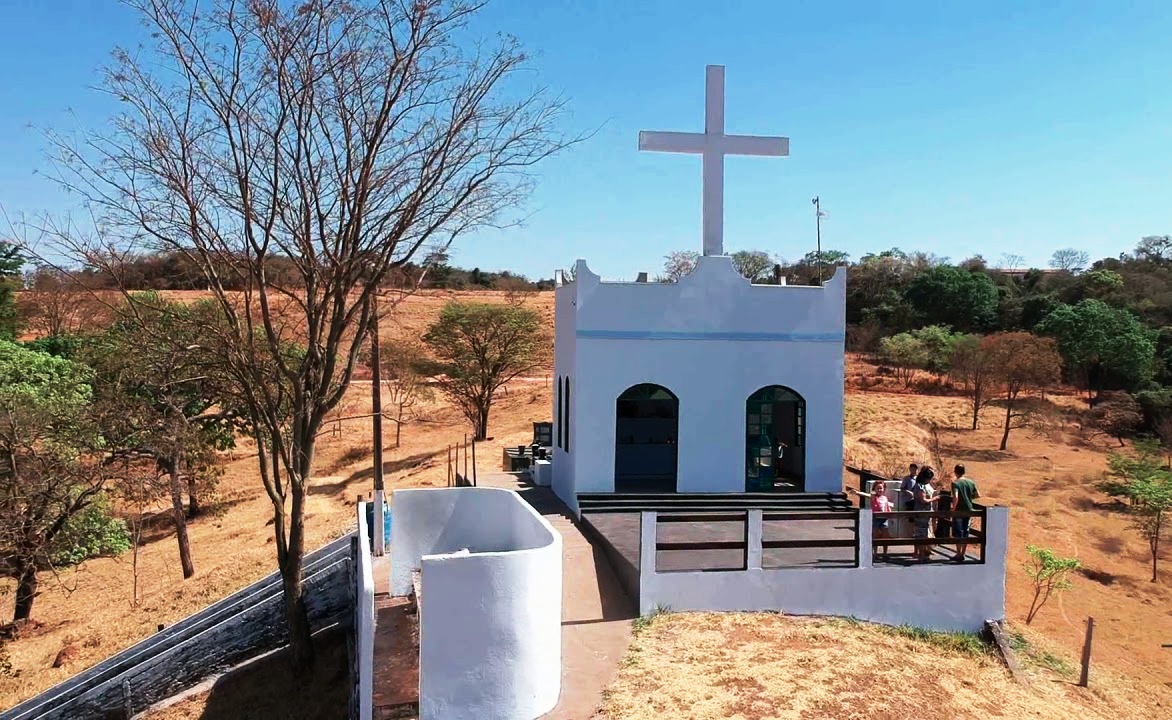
490, 619
365, 619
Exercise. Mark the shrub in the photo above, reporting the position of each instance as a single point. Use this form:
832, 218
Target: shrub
93, 532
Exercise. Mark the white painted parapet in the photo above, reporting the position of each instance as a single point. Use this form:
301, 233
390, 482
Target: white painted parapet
365, 619
955, 597
490, 615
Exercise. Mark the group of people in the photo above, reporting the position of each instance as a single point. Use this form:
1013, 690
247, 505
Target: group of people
918, 493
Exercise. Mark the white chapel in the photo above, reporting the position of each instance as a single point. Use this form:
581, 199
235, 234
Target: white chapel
708, 384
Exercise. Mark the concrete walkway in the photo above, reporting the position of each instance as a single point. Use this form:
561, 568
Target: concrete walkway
596, 613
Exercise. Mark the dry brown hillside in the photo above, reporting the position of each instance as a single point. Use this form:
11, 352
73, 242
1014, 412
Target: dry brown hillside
1047, 479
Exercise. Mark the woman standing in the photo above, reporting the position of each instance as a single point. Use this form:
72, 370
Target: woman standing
925, 501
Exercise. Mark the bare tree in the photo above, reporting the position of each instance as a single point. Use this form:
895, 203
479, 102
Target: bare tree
54, 304
679, 263
972, 364
332, 137
1154, 248
406, 386
1012, 261
1023, 362
1070, 260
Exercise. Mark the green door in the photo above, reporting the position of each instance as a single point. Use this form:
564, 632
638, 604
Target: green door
775, 439
761, 461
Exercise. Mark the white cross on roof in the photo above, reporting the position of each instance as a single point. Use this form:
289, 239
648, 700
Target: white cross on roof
712, 145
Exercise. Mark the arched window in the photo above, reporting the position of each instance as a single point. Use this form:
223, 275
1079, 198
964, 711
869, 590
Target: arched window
775, 440
559, 411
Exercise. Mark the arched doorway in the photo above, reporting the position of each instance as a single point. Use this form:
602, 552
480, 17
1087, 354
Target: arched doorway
775, 441
646, 431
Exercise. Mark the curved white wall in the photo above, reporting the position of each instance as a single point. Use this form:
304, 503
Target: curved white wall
490, 618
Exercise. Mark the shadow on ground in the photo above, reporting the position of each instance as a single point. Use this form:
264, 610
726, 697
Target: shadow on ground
268, 690
389, 467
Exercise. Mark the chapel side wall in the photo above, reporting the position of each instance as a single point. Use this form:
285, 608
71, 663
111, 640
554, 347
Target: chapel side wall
565, 349
635, 333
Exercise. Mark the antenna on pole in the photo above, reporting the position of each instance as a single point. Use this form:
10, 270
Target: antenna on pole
818, 229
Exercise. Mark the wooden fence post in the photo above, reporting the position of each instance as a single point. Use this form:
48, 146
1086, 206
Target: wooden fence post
1086, 654
474, 463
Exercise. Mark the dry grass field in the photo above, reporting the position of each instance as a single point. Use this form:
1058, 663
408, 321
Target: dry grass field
1046, 476
742, 666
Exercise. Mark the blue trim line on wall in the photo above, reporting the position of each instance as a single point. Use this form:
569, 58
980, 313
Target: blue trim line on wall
736, 336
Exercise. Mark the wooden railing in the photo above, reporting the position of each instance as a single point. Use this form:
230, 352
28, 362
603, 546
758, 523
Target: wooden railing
975, 539
743, 544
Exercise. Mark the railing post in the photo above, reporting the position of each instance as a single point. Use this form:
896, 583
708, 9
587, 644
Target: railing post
754, 534
863, 548
647, 540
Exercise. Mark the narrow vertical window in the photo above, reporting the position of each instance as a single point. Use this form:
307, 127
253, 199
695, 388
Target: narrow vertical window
558, 422
566, 401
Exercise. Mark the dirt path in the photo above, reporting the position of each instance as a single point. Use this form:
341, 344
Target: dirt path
596, 613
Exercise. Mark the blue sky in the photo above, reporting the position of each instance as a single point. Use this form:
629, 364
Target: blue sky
952, 127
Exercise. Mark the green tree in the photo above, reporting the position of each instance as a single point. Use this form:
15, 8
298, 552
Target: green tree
1049, 574
755, 265
947, 295
938, 342
11, 261
1145, 481
1100, 343
51, 465
480, 347
154, 382
906, 354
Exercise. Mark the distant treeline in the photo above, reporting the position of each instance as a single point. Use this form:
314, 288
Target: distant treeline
175, 271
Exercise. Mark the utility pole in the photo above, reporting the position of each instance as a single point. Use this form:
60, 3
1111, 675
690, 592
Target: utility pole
376, 409
818, 230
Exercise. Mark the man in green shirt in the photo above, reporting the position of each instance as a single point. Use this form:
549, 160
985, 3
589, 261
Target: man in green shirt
964, 492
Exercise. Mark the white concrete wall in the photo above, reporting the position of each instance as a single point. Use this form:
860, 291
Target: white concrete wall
955, 597
446, 520
565, 349
490, 619
366, 620
713, 339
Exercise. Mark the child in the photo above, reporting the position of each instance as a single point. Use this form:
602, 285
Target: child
880, 504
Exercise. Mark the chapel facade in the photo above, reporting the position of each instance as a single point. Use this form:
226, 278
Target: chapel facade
708, 384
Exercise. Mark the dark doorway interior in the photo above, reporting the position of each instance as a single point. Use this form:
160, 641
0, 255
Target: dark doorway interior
775, 441
646, 432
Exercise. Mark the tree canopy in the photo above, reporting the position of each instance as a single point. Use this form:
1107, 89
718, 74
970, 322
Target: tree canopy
947, 295
1101, 344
